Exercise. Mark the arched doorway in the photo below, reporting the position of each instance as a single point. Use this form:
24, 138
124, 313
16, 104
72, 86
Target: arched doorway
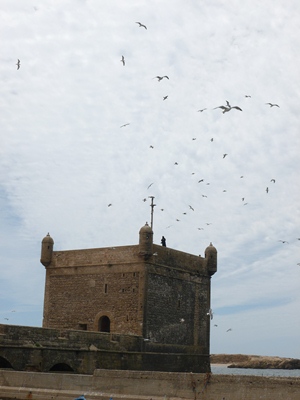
104, 324
4, 363
61, 367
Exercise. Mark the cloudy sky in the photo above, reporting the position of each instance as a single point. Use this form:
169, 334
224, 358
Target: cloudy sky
65, 157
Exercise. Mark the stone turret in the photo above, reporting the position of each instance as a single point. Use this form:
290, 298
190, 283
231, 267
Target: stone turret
47, 250
146, 241
211, 257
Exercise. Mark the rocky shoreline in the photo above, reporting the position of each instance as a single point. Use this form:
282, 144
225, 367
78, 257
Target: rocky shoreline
255, 362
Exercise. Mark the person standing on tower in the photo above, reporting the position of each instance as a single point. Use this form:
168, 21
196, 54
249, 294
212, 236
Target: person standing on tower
163, 241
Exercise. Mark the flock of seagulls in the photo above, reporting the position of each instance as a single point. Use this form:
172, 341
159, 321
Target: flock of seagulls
225, 109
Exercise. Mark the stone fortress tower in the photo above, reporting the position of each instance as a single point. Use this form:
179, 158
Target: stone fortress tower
158, 294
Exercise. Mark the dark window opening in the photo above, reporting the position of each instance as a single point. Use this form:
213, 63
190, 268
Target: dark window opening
105, 288
83, 327
104, 324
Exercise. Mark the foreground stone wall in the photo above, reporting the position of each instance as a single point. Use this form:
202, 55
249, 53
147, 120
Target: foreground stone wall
45, 350
145, 385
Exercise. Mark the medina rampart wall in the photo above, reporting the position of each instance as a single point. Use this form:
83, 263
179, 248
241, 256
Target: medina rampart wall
52, 350
146, 385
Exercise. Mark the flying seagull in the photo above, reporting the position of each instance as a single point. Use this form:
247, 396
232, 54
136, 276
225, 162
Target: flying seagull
282, 241
228, 330
210, 313
165, 97
122, 126
273, 105
109, 205
224, 155
161, 77
272, 180
141, 25
247, 95
191, 208
228, 107
150, 185
267, 190
203, 109
18, 64
123, 60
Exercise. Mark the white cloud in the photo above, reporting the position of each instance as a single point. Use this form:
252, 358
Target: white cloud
64, 157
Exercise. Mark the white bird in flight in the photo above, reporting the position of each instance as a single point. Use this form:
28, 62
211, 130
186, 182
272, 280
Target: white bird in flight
141, 25
228, 107
273, 105
161, 77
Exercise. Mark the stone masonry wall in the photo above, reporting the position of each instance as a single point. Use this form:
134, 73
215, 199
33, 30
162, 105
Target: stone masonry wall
83, 285
145, 385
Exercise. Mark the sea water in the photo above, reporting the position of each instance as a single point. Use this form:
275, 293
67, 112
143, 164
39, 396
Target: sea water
220, 369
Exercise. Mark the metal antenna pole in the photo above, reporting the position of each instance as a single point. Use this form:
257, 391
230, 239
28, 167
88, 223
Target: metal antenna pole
152, 205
